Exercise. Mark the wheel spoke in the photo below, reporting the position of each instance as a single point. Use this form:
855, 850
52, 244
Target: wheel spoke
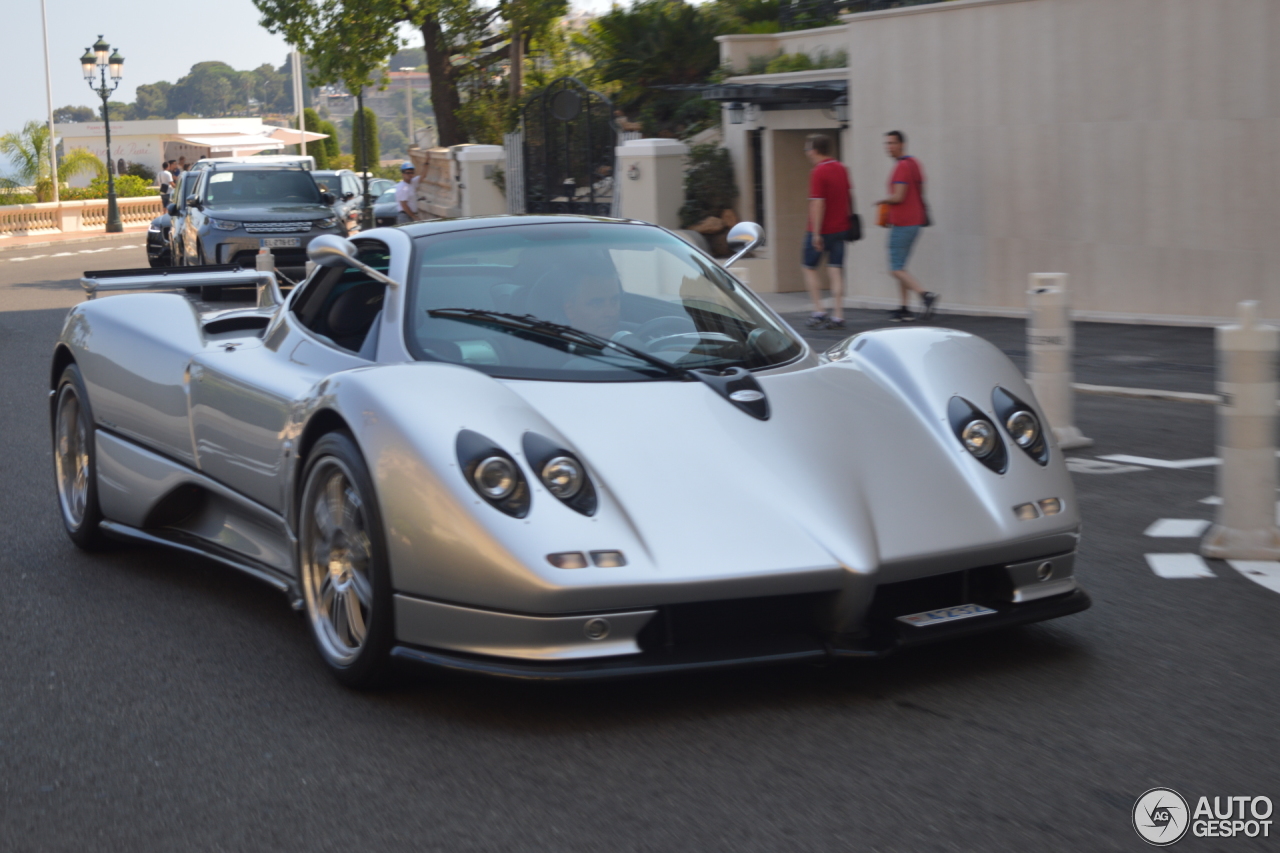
338, 619
354, 619
362, 588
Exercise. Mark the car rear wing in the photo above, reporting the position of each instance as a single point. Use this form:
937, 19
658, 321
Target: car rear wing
222, 275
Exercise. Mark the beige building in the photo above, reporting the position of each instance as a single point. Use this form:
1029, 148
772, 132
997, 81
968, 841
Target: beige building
1134, 144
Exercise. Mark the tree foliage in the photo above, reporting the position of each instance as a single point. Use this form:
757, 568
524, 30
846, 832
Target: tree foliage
74, 114
364, 140
28, 151
316, 149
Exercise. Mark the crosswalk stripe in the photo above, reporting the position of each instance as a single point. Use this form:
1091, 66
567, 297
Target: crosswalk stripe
1179, 566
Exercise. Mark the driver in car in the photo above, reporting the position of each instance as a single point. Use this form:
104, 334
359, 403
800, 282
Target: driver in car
593, 303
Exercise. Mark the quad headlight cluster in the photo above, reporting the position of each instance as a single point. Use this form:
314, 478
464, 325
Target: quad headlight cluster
980, 436
497, 477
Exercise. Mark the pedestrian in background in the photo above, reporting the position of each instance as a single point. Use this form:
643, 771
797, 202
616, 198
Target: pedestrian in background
407, 194
165, 182
907, 214
829, 206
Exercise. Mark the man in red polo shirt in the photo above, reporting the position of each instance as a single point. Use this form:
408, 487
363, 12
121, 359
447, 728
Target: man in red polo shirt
907, 215
829, 195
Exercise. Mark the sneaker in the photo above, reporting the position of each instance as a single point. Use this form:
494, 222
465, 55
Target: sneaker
930, 302
902, 315
816, 320
835, 323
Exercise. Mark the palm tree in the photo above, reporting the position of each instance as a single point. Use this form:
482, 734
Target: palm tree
29, 151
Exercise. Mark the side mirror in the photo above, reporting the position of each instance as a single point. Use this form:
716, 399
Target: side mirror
327, 198
193, 201
172, 209
330, 250
748, 235
348, 196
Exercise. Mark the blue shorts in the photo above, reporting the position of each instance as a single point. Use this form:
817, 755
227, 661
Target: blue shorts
832, 247
901, 239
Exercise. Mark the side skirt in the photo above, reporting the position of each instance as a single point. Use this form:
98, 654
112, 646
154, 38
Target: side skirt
187, 543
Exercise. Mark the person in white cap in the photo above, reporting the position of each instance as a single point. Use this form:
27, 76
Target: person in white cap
407, 194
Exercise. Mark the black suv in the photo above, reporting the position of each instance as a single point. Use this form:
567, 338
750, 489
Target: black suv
237, 209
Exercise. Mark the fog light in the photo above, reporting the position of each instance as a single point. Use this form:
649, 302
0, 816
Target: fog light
1026, 512
1050, 506
1044, 571
568, 560
608, 559
596, 629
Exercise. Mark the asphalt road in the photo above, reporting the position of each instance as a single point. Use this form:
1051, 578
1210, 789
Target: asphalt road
151, 702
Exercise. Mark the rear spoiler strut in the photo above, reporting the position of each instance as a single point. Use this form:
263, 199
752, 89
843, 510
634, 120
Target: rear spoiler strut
221, 275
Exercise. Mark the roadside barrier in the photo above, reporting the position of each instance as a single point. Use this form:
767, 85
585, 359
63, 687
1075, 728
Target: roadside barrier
1246, 526
1049, 346
55, 217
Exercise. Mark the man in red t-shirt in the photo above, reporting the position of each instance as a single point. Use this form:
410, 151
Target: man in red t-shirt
907, 215
829, 199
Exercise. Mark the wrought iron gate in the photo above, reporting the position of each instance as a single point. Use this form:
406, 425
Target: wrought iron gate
568, 147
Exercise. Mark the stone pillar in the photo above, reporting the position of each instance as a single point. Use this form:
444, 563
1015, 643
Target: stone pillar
476, 164
1049, 346
650, 177
1246, 526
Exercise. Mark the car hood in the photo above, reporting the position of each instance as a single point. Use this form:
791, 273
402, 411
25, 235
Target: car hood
856, 468
268, 213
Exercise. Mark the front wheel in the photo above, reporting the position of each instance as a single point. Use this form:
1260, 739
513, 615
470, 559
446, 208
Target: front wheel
346, 583
75, 463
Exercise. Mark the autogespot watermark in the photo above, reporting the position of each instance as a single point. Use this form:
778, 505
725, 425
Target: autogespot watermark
1162, 816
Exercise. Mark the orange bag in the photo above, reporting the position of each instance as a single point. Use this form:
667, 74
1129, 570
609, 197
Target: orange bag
882, 216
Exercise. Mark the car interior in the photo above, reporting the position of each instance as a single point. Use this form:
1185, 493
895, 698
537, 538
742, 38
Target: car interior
342, 304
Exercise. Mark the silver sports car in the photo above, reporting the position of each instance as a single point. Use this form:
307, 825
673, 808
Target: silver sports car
561, 447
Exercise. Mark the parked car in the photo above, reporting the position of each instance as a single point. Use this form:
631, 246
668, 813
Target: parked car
386, 209
563, 447
345, 187
160, 234
237, 209
304, 161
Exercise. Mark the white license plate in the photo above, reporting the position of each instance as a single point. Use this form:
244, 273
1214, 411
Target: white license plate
281, 242
946, 614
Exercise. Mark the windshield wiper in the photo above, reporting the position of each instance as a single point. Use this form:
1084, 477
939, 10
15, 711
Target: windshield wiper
559, 331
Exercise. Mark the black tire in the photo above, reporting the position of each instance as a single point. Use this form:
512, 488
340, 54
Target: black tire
75, 463
342, 563
207, 294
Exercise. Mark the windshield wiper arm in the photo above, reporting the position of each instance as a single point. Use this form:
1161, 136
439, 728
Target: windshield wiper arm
560, 331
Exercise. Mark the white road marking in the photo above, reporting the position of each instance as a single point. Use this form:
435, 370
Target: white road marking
1182, 528
1179, 566
1263, 573
1163, 463
77, 252
1077, 465
1212, 500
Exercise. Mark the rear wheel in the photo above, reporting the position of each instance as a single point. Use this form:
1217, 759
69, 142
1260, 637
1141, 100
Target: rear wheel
208, 294
346, 582
75, 462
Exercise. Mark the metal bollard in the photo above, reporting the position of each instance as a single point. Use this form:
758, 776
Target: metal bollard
1246, 526
1049, 345
264, 262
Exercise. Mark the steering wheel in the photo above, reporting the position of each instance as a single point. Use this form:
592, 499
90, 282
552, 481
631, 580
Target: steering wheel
663, 327
690, 341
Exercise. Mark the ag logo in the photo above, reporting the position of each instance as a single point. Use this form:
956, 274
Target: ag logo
1160, 816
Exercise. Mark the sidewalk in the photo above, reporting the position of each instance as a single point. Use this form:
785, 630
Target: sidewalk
36, 241
1166, 358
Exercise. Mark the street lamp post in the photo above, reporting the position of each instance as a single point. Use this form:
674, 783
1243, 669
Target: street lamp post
102, 60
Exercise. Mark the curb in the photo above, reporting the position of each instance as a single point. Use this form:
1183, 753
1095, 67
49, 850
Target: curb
94, 238
1149, 394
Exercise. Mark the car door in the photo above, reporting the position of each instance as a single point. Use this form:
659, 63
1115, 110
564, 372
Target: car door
244, 390
192, 219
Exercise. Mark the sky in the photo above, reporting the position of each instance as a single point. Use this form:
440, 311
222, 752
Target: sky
159, 41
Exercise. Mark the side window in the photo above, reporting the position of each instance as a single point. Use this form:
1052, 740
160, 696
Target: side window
350, 185
341, 304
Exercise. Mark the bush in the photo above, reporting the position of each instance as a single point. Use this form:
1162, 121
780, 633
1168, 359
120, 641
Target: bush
17, 198
781, 63
709, 185
127, 186
140, 171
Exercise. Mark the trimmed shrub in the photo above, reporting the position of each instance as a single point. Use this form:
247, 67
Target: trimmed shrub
709, 185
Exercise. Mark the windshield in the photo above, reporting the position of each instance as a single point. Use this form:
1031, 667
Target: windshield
389, 195
634, 284
262, 188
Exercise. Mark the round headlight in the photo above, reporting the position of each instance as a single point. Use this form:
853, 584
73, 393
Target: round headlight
495, 477
563, 477
979, 438
1023, 428
327, 223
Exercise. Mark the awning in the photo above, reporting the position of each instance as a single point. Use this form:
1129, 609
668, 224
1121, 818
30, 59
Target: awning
237, 143
776, 94
290, 136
